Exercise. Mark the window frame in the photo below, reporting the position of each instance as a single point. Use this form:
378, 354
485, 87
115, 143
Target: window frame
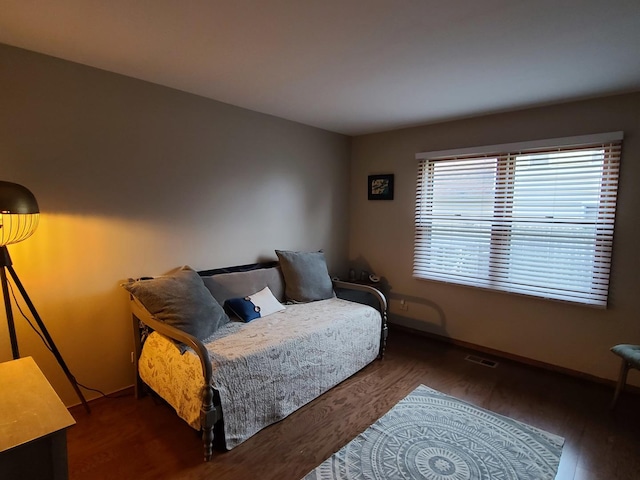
503, 203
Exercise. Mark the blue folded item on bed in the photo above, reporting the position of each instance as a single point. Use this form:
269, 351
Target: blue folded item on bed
243, 308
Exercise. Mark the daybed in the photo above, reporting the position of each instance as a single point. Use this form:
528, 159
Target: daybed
246, 376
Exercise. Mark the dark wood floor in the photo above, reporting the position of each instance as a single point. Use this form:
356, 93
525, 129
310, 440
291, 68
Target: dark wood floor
144, 439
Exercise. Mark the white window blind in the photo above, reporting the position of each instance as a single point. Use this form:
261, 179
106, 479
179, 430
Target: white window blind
523, 218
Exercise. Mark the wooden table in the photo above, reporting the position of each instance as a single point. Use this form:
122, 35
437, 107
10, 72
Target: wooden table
33, 423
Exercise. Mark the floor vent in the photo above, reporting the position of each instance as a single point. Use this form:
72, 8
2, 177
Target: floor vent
481, 361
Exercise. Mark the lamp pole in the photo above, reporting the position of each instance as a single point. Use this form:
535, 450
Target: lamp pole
6, 260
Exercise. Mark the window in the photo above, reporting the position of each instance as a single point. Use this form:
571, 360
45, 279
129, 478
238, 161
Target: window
534, 219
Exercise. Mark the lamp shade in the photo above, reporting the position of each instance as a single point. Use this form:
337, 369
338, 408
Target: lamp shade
19, 213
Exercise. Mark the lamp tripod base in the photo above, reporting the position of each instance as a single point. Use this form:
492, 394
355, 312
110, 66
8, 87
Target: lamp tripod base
6, 266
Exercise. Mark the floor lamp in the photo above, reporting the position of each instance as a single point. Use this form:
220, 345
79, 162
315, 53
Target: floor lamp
19, 214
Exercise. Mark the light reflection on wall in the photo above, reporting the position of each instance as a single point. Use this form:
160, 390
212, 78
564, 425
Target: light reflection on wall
71, 268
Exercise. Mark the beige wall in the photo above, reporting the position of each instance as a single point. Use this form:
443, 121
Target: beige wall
573, 337
135, 179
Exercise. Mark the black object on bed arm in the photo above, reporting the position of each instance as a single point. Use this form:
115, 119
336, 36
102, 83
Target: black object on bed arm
382, 306
209, 412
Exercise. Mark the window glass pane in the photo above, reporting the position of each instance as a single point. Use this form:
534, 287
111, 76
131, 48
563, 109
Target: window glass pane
555, 206
460, 211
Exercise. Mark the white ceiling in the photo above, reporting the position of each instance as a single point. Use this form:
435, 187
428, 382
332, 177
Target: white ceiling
349, 66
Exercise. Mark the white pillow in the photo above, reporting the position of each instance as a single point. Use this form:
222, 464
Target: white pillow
258, 305
267, 302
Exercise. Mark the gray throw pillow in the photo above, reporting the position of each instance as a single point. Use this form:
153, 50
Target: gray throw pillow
181, 300
306, 277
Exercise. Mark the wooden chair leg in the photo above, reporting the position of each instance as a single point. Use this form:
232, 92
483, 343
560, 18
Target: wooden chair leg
622, 380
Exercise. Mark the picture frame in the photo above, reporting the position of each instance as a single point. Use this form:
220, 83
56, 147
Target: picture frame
380, 187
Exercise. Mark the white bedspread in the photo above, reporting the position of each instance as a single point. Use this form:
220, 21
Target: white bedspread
268, 368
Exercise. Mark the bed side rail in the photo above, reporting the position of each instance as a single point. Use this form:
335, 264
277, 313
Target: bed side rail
143, 315
209, 412
382, 307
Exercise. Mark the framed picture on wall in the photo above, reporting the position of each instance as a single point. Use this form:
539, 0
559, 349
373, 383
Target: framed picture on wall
380, 187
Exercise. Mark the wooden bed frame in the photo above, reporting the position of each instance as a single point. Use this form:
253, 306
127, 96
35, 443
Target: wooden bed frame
211, 410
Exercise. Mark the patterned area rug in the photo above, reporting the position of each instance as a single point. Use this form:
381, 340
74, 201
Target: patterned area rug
430, 435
